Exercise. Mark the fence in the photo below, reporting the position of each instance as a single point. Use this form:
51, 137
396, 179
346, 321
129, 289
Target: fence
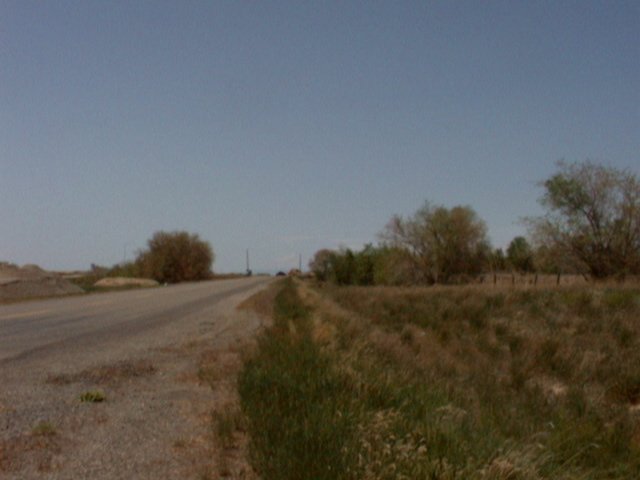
545, 279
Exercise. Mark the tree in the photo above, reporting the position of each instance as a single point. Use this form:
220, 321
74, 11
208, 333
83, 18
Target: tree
365, 265
440, 242
551, 259
322, 263
393, 266
593, 216
176, 257
344, 267
520, 254
369, 266
497, 260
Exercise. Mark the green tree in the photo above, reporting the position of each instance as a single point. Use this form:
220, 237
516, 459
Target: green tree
124, 269
365, 265
344, 268
551, 259
497, 260
174, 257
393, 266
322, 263
369, 266
593, 216
440, 242
520, 255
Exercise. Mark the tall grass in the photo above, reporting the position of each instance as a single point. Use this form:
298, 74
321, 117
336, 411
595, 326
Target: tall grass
447, 383
294, 397
554, 374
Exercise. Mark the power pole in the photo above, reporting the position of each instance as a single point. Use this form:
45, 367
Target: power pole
248, 269
300, 263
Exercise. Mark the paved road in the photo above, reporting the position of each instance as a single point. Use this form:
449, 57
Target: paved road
50, 326
138, 432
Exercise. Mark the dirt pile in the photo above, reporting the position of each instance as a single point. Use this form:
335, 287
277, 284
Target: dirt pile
31, 281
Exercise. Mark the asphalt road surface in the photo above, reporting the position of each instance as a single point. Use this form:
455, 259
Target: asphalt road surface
135, 432
50, 327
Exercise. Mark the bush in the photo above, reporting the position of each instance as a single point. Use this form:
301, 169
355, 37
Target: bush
174, 257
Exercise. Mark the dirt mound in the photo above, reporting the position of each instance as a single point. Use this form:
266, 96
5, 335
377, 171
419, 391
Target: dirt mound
32, 281
125, 282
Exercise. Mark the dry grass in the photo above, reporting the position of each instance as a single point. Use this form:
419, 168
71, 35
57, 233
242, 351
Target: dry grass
588, 336
447, 383
550, 374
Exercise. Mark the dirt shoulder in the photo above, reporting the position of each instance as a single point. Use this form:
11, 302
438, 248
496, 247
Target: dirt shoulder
168, 411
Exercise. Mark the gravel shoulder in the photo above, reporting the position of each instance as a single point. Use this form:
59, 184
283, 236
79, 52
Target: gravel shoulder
157, 417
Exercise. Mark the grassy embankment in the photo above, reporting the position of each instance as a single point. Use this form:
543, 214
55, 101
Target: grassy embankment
447, 383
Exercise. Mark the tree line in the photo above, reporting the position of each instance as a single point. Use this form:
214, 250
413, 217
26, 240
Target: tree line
591, 226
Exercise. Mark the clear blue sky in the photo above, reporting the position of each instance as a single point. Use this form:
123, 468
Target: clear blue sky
285, 127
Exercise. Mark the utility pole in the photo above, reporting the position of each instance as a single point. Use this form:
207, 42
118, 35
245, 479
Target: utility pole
248, 269
300, 263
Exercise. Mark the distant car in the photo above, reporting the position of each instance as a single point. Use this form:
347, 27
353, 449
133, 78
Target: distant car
281, 274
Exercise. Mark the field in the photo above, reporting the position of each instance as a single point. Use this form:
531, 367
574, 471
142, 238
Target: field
446, 383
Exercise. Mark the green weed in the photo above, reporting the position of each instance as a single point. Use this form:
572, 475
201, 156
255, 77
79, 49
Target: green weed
93, 396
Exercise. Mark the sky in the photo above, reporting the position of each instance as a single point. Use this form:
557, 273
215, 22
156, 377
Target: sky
287, 127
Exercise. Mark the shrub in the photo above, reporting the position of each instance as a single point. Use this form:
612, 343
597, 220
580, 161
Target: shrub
174, 257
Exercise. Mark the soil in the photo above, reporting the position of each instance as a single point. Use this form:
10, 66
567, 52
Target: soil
30, 281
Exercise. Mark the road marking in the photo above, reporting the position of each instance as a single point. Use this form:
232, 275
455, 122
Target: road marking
24, 314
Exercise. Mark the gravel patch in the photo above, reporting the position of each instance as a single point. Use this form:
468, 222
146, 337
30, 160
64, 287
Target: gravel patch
156, 420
